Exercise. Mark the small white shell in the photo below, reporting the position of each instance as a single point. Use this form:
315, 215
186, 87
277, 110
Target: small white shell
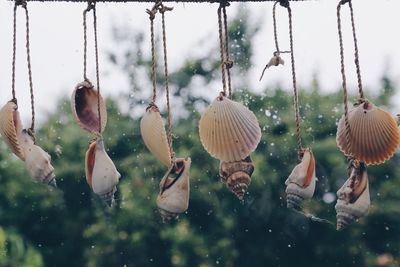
101, 174
85, 108
353, 198
301, 182
11, 128
37, 161
154, 135
229, 131
173, 198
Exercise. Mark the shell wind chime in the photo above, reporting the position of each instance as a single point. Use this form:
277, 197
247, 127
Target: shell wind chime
228, 130
173, 197
300, 185
22, 142
89, 111
366, 135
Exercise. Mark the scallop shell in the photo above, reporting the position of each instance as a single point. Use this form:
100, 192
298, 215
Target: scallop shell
300, 185
154, 135
374, 134
101, 174
37, 161
236, 175
11, 128
229, 131
353, 197
85, 109
173, 198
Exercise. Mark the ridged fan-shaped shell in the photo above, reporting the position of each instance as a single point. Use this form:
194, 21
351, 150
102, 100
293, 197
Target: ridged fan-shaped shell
154, 136
229, 131
85, 108
374, 134
237, 175
173, 198
300, 185
11, 128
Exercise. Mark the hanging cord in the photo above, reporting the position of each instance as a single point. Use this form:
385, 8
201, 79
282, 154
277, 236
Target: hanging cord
221, 48
162, 10
228, 62
14, 99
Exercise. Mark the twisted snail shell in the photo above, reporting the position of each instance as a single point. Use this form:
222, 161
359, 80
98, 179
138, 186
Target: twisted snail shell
300, 184
11, 128
353, 197
228, 130
236, 175
173, 198
84, 104
373, 132
154, 136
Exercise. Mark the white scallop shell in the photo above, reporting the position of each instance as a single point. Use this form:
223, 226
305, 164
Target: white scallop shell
173, 198
229, 131
300, 185
11, 128
154, 136
374, 134
84, 104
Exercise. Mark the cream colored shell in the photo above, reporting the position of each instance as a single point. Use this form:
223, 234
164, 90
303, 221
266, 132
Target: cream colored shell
374, 134
229, 131
84, 105
154, 136
11, 128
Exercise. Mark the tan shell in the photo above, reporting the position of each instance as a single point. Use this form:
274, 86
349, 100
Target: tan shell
173, 198
154, 135
374, 134
353, 197
300, 185
101, 174
85, 109
236, 175
11, 128
229, 131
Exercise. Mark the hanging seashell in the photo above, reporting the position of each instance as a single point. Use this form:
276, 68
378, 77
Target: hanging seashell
236, 175
353, 197
374, 134
37, 161
276, 60
229, 131
154, 135
300, 184
85, 109
101, 174
173, 198
11, 128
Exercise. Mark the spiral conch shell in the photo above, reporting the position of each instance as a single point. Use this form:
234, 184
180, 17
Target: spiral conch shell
101, 174
374, 134
37, 161
154, 135
11, 128
236, 175
300, 184
85, 108
173, 198
229, 131
353, 197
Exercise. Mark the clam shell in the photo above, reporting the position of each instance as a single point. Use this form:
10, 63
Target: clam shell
154, 136
229, 131
11, 128
374, 134
300, 185
236, 175
85, 109
353, 198
173, 198
101, 174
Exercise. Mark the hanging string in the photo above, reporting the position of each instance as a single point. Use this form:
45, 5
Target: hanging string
221, 48
162, 10
14, 99
228, 62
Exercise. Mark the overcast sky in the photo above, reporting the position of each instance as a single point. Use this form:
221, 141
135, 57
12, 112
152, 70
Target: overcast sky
56, 44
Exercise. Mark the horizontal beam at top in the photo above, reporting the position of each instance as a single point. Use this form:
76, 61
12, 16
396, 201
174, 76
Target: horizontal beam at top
152, 1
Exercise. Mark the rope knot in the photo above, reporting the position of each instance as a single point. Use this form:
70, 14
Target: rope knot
91, 5
20, 3
163, 8
284, 3
224, 3
342, 2
228, 64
